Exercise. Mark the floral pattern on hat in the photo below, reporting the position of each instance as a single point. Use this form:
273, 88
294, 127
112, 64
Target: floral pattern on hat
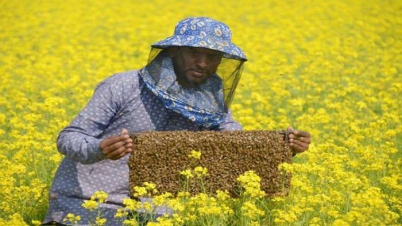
203, 32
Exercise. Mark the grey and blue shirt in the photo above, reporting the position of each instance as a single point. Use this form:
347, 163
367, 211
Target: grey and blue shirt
120, 101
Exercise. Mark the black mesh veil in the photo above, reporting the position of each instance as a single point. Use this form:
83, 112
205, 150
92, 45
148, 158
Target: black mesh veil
229, 70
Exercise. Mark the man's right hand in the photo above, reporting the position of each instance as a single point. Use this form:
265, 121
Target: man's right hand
115, 147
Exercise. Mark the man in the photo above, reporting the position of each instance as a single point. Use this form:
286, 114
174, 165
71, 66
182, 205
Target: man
188, 84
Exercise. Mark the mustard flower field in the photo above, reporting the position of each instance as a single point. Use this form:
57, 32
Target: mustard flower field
329, 67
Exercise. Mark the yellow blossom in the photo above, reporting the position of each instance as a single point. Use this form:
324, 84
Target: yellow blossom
251, 183
183, 194
151, 187
130, 222
222, 195
100, 196
187, 173
251, 211
200, 171
161, 199
100, 221
195, 154
71, 218
90, 205
121, 213
140, 191
147, 206
131, 204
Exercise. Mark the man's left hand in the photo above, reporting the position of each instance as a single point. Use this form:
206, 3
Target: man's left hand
299, 141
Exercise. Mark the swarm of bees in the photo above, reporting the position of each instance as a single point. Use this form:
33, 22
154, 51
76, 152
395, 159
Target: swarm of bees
159, 157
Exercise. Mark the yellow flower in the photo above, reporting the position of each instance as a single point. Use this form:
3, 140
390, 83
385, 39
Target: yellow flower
176, 205
161, 199
251, 183
130, 222
254, 223
162, 221
222, 195
100, 221
286, 167
392, 182
251, 211
183, 194
151, 187
71, 218
178, 219
165, 221
15, 219
226, 210
200, 171
284, 217
210, 209
140, 191
190, 217
121, 213
187, 173
2, 119
147, 206
100, 196
195, 154
340, 222
90, 205
131, 204
315, 221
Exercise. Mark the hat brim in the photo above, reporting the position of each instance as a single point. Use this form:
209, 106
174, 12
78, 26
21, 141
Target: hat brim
229, 49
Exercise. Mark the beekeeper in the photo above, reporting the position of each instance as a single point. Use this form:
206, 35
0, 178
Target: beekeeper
188, 84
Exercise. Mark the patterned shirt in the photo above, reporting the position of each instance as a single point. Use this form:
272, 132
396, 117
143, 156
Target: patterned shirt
120, 101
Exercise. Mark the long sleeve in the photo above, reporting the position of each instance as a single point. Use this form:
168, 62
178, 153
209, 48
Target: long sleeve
80, 140
229, 124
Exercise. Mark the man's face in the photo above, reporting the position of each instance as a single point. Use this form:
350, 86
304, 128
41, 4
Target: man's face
194, 65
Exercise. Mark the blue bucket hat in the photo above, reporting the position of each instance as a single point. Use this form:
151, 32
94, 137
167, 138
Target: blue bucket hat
206, 33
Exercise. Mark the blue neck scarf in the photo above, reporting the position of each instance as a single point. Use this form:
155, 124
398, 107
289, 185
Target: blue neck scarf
203, 104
